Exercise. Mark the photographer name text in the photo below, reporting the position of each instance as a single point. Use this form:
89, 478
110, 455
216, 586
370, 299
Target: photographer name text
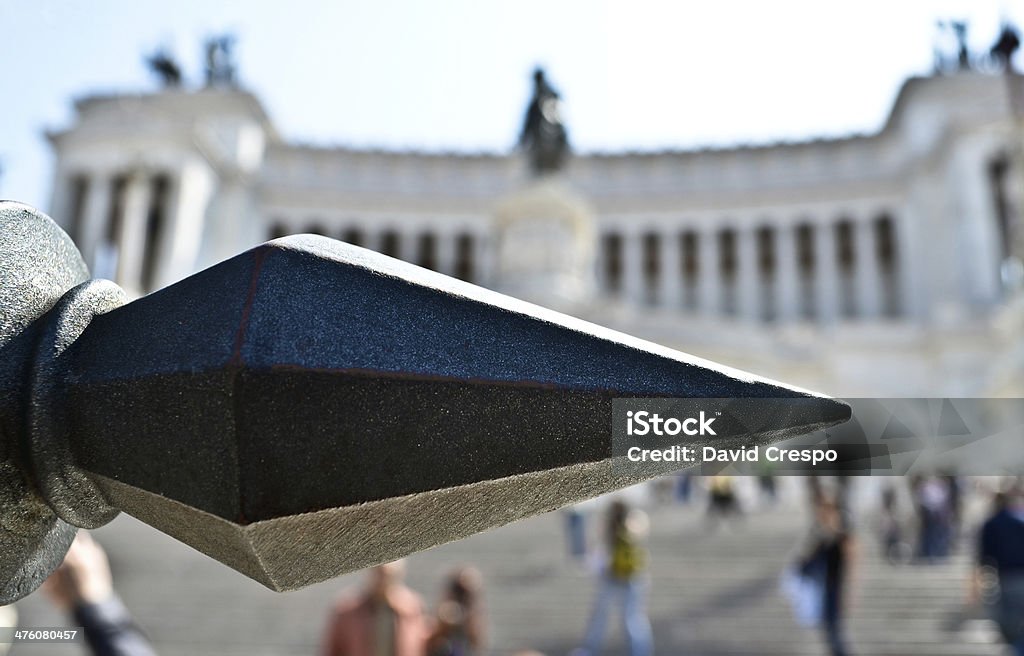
644, 423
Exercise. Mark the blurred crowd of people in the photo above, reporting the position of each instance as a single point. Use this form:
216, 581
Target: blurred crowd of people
386, 618
921, 521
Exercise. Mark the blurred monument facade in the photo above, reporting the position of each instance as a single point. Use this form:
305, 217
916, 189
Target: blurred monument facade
885, 264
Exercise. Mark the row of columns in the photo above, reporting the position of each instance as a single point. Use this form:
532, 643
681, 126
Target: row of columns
788, 293
109, 217
461, 254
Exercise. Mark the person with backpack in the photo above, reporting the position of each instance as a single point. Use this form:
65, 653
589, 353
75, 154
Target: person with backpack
623, 583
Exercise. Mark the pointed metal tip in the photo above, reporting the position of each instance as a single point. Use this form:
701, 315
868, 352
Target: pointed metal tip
309, 407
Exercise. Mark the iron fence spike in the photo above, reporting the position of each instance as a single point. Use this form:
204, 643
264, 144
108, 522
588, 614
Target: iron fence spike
308, 407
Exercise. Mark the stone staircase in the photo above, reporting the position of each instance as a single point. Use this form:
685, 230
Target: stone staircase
711, 594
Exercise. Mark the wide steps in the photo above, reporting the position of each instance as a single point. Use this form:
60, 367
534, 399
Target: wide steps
710, 594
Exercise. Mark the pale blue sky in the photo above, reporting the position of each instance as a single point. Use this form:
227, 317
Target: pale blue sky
455, 75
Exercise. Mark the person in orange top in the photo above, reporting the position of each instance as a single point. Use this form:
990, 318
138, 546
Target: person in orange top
385, 618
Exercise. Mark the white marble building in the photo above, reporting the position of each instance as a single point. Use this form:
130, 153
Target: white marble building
885, 264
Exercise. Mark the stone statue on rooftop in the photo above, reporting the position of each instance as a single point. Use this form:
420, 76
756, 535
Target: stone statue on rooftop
963, 56
220, 66
163, 65
1004, 48
544, 136
952, 35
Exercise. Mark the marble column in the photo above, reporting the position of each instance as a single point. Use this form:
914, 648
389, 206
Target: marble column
979, 249
171, 264
632, 267
94, 220
787, 274
445, 254
670, 281
748, 292
132, 240
483, 259
372, 237
868, 278
61, 199
908, 294
191, 188
826, 273
709, 288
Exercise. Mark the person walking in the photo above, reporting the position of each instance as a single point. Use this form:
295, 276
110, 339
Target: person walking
723, 502
1001, 561
622, 583
935, 510
460, 625
830, 558
385, 618
576, 531
891, 532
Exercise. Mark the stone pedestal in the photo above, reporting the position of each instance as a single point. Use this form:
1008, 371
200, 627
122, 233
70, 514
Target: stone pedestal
544, 246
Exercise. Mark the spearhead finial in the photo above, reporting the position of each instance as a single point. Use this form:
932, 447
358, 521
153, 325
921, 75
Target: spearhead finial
306, 408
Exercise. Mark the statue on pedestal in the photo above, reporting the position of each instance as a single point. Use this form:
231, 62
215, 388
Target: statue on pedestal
545, 235
544, 137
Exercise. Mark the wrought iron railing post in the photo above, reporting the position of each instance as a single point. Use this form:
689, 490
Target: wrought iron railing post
303, 409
